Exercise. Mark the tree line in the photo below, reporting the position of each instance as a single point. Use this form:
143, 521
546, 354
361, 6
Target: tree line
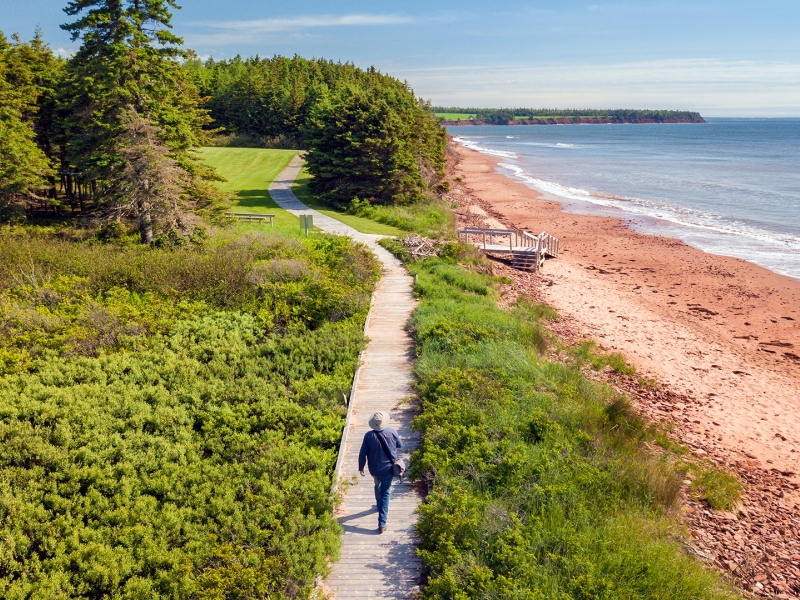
501, 116
366, 134
112, 131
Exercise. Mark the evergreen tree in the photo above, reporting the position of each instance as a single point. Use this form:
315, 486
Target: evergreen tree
23, 165
128, 60
359, 146
374, 142
151, 180
38, 73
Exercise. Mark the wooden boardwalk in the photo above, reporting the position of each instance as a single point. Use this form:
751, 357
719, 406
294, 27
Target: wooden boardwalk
373, 565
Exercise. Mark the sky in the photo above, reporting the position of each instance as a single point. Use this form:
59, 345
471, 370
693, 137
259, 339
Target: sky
722, 58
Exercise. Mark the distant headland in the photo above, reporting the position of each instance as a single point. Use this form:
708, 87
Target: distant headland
453, 115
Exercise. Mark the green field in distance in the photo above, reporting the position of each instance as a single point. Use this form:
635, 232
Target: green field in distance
455, 116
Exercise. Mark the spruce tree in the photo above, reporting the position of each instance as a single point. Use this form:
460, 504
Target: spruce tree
373, 141
128, 61
151, 185
23, 165
36, 73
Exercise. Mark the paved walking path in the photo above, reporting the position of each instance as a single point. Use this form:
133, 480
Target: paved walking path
373, 565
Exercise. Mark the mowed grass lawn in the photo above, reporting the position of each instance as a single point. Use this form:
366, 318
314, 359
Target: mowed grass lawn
248, 172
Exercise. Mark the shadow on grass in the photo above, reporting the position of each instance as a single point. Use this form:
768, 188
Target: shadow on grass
255, 199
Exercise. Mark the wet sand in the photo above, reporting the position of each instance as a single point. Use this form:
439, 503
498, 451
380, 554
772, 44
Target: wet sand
721, 330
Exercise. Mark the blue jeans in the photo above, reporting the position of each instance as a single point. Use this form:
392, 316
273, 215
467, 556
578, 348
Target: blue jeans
383, 489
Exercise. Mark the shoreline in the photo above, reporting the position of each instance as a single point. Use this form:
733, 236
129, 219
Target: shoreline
716, 328
643, 224
734, 219
571, 121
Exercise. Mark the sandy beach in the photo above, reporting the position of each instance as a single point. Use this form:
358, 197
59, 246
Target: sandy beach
722, 333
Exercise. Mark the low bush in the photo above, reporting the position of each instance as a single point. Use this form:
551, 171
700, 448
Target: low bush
82, 299
542, 485
169, 421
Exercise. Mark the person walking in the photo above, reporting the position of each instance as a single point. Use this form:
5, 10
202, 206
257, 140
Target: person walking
379, 451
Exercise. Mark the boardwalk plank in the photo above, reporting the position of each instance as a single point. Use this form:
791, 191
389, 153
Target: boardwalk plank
373, 565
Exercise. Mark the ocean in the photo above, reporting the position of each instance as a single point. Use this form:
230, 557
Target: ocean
730, 187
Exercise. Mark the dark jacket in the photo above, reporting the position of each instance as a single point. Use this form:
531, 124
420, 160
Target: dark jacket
372, 452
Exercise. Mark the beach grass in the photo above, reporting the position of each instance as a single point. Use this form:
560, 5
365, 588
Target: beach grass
720, 489
432, 217
587, 352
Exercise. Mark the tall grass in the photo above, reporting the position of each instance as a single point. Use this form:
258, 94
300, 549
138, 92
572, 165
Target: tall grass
542, 485
432, 217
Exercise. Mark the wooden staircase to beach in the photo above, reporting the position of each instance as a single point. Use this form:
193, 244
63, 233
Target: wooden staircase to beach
528, 252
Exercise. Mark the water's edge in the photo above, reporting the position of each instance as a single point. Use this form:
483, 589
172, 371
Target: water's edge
699, 226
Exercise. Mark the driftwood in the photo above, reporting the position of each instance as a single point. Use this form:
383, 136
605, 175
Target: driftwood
422, 247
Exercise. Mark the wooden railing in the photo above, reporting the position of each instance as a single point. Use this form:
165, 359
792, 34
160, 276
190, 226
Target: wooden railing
482, 232
548, 244
529, 249
531, 241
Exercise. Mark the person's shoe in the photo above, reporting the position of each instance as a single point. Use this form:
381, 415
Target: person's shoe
381, 529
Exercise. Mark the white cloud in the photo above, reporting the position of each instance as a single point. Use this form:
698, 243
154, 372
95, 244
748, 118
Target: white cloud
273, 25
223, 33
714, 87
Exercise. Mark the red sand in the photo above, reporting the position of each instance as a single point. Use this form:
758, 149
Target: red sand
720, 329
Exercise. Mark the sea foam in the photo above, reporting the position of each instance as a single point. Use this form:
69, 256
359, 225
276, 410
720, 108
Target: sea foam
475, 146
677, 215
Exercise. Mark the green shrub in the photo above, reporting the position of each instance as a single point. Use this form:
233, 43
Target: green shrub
165, 430
80, 299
